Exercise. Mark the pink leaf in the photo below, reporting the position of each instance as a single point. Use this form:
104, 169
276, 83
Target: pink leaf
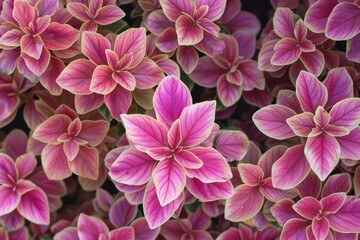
310, 186
251, 175
167, 40
76, 77
209, 191
155, 214
320, 228
122, 213
125, 80
286, 52
244, 204
87, 103
8, 66
102, 81
15, 143
187, 58
302, 123
9, 200
54, 162
337, 183
25, 164
283, 212
34, 207
322, 152
228, 93
122, 233
206, 73
93, 132
232, 144
32, 46
349, 143
274, 194
265, 55
215, 168
132, 40
174, 9
187, 159
291, 168
109, 14
47, 79
271, 120
144, 132
333, 202
169, 180
310, 92
317, 15
283, 23
59, 36
343, 21
252, 77
118, 102
170, 98
216, 8
24, 13
90, 228
188, 31
346, 113
142, 230
8, 171
50, 130
308, 207
353, 49
93, 45
345, 220
86, 163
294, 229
37, 66
314, 61
147, 74
339, 85
69, 233
47, 7
196, 122
78, 10
157, 22
132, 167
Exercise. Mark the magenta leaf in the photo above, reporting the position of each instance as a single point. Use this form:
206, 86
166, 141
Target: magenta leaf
10, 200
121, 213
118, 102
170, 98
271, 120
76, 77
93, 45
302, 123
286, 52
345, 219
144, 132
209, 191
251, 175
215, 168
132, 167
188, 58
320, 228
8, 171
283, 212
244, 204
343, 21
122, 233
156, 214
173, 9
308, 207
294, 229
169, 180
291, 168
232, 144
132, 41
187, 159
317, 15
142, 230
196, 122
337, 183
59, 36
90, 228
34, 206
283, 22
102, 81
54, 162
314, 61
228, 92
188, 32
310, 92
348, 144
346, 113
322, 152
25, 164
339, 85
